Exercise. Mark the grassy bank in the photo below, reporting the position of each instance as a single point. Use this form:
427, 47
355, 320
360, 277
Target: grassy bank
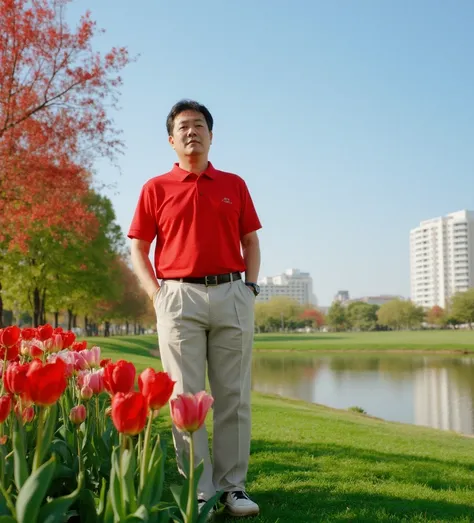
311, 463
462, 341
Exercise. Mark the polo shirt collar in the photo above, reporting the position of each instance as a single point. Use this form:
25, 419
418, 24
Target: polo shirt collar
181, 174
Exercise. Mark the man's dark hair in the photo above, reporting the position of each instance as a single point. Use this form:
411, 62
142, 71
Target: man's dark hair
187, 105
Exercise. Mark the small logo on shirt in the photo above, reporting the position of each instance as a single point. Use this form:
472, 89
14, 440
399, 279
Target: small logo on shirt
226, 200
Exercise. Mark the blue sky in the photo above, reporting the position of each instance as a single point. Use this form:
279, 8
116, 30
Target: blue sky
350, 121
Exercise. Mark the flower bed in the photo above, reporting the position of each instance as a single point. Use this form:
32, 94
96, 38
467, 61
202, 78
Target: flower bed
75, 435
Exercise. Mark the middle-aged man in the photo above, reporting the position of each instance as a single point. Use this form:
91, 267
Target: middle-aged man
205, 224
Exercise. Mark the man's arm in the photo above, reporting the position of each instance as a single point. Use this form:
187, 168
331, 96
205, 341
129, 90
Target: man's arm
251, 251
142, 266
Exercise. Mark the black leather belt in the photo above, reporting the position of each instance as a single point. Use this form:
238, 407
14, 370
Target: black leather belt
210, 281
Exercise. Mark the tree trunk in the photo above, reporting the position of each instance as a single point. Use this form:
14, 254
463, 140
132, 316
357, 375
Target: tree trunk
69, 319
127, 327
135, 328
43, 307
1, 307
107, 329
36, 307
74, 321
56, 319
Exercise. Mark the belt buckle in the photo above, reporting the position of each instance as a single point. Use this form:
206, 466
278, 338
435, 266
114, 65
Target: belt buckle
208, 284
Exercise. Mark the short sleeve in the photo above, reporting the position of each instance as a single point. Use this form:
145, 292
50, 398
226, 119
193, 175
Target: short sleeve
249, 221
143, 226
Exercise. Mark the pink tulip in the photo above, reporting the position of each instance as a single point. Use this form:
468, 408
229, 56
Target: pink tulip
77, 414
93, 379
189, 411
86, 393
90, 356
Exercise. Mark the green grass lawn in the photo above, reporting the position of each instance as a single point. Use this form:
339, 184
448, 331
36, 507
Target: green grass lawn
448, 340
310, 463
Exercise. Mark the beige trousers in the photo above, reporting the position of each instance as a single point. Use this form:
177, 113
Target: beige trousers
213, 326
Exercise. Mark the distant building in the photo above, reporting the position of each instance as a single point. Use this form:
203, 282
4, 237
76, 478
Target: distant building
342, 296
292, 284
374, 300
442, 258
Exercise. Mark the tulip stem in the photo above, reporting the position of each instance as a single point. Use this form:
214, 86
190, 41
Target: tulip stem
8, 500
4, 370
39, 440
97, 417
192, 490
146, 451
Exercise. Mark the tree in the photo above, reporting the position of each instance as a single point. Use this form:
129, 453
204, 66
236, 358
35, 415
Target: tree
55, 99
313, 317
398, 314
363, 316
462, 308
337, 317
436, 316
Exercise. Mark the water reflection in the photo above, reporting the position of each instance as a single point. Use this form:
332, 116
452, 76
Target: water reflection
435, 391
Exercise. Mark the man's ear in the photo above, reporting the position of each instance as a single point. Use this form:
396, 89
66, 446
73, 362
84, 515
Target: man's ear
171, 141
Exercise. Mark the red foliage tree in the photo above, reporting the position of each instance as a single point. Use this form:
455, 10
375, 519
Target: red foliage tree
314, 316
55, 96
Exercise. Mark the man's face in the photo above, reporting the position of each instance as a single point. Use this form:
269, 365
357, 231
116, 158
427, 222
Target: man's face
191, 136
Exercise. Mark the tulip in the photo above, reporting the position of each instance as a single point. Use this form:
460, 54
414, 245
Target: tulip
5, 407
94, 379
36, 352
27, 334
86, 393
77, 346
44, 332
46, 383
129, 412
10, 353
157, 387
77, 414
10, 336
28, 414
15, 378
68, 339
119, 377
91, 356
105, 362
189, 411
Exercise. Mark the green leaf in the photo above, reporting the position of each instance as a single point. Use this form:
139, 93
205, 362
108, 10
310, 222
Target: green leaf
153, 490
62, 449
87, 507
102, 499
19, 456
205, 509
32, 493
128, 470
7, 519
140, 515
49, 428
177, 492
115, 486
54, 511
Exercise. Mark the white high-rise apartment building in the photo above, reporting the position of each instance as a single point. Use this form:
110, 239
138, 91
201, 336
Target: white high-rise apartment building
292, 283
442, 258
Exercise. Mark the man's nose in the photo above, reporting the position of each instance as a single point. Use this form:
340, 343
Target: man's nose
191, 131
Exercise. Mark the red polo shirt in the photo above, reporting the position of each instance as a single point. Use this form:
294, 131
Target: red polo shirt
198, 222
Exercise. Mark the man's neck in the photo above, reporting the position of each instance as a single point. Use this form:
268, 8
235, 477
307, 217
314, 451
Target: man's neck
194, 164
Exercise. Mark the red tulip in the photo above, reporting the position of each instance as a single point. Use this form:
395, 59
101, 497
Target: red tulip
10, 336
5, 407
15, 378
36, 352
68, 339
27, 334
119, 377
46, 382
157, 387
189, 411
28, 414
11, 353
105, 362
44, 332
77, 414
129, 412
78, 346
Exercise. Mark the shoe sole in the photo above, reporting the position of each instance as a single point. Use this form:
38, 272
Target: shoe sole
237, 514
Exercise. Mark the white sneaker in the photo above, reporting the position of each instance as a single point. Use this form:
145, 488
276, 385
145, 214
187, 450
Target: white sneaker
239, 504
210, 515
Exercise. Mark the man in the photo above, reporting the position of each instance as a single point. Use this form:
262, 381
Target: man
205, 224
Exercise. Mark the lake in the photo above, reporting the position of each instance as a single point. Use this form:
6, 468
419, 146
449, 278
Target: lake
434, 391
